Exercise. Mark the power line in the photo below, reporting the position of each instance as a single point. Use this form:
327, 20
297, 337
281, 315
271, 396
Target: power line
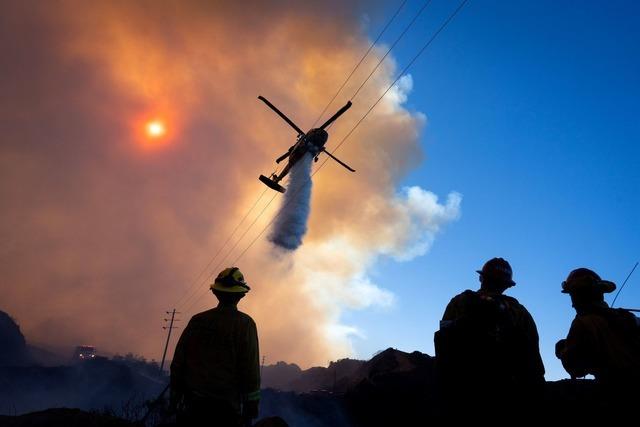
404, 70
234, 246
424, 6
446, 22
624, 283
195, 282
360, 62
402, 73
424, 47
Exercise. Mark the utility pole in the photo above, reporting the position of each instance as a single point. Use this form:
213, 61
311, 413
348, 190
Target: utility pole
262, 366
169, 329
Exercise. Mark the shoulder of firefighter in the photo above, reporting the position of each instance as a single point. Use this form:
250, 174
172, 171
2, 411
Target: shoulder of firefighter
605, 344
475, 319
217, 357
467, 303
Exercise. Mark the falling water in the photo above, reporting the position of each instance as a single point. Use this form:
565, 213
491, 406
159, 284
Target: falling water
291, 223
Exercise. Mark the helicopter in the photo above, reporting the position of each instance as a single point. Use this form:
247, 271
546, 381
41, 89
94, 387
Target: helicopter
312, 142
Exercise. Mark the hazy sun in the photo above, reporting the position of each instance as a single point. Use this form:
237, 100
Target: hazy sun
155, 129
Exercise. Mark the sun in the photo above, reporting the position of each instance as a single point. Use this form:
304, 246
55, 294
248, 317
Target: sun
155, 129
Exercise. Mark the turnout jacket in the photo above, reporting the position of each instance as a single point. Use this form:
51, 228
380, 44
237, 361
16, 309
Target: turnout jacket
604, 342
217, 358
515, 331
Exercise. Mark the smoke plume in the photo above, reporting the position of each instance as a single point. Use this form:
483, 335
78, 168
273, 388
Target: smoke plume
103, 229
291, 222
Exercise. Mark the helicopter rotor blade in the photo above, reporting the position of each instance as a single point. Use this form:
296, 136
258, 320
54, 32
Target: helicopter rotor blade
336, 115
281, 114
338, 160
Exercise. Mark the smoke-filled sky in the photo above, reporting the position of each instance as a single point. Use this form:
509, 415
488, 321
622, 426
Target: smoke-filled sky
105, 227
514, 135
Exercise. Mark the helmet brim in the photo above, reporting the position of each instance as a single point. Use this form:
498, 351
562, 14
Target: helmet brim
235, 289
510, 282
604, 286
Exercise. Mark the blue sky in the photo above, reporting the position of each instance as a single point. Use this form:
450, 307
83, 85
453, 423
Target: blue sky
532, 116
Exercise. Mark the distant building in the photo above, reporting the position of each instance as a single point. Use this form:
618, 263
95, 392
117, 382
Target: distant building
84, 352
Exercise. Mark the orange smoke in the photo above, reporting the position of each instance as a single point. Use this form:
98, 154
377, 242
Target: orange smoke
103, 240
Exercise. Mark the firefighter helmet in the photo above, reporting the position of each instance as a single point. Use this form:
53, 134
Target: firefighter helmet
230, 280
583, 280
497, 270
